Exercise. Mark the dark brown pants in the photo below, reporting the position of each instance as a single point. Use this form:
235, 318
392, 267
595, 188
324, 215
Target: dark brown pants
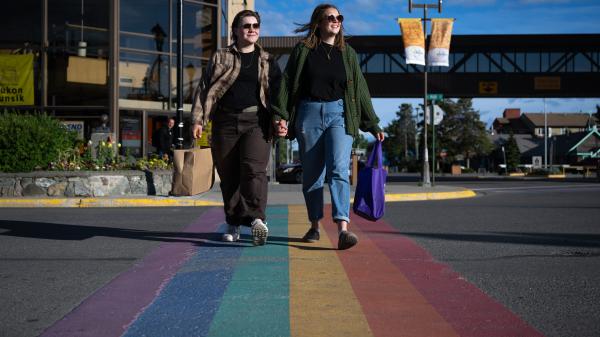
240, 150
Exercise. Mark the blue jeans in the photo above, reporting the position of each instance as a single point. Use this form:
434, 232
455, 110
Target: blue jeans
325, 154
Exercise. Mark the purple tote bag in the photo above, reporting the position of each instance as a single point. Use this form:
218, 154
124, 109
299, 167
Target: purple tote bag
369, 197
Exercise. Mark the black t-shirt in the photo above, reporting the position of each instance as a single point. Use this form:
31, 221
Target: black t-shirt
244, 91
325, 73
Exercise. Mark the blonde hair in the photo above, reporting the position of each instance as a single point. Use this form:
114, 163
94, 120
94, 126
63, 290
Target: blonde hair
313, 35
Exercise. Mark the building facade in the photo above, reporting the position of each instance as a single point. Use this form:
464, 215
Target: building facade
112, 57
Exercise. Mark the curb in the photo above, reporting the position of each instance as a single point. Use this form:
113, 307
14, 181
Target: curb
99, 202
429, 196
171, 202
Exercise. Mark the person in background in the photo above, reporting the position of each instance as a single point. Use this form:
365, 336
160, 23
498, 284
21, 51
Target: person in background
325, 99
235, 94
165, 137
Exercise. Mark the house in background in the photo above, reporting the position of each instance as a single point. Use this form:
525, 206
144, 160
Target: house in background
533, 123
573, 138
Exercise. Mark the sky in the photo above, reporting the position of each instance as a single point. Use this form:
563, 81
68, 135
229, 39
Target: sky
378, 17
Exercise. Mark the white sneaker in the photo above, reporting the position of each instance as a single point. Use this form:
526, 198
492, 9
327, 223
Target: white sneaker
232, 233
260, 232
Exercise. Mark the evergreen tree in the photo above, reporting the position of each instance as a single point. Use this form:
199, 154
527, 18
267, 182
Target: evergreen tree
513, 155
461, 132
400, 137
360, 142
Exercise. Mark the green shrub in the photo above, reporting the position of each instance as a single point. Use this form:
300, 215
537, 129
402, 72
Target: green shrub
31, 141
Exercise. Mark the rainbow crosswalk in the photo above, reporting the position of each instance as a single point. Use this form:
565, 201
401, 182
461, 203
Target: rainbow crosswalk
198, 286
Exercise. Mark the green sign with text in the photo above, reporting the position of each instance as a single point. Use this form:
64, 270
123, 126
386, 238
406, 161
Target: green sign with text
435, 97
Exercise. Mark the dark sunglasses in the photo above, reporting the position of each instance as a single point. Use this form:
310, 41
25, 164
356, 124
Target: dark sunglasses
251, 25
333, 18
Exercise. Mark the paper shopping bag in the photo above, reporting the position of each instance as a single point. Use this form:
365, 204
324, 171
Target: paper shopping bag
193, 171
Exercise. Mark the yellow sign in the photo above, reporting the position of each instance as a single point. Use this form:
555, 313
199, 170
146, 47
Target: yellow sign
87, 70
488, 88
547, 83
16, 79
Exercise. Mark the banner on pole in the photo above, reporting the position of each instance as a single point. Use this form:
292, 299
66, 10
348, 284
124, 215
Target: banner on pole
16, 80
414, 40
439, 47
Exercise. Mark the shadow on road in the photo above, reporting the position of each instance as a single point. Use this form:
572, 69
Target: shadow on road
53, 231
525, 238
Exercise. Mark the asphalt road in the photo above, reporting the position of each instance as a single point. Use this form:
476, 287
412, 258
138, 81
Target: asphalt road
534, 246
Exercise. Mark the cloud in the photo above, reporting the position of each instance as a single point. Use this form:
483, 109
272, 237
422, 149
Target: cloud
276, 23
469, 3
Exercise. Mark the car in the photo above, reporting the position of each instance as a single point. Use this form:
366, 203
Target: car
289, 173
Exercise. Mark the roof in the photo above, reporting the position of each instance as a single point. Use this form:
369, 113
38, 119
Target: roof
525, 142
501, 120
554, 119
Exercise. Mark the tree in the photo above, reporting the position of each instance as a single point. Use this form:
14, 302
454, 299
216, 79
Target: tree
597, 114
513, 155
399, 145
360, 142
461, 132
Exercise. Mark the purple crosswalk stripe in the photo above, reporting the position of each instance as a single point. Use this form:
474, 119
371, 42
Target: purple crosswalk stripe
110, 310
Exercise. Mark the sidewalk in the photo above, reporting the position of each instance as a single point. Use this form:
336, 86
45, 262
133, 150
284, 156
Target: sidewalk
279, 194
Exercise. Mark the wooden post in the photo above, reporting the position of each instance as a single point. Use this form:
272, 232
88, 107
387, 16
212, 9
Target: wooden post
354, 175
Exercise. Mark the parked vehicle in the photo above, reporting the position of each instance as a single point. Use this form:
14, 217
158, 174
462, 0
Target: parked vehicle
289, 173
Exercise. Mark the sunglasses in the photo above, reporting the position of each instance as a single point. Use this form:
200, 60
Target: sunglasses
251, 25
333, 18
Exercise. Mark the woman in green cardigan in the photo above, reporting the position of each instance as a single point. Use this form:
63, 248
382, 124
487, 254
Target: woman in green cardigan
325, 98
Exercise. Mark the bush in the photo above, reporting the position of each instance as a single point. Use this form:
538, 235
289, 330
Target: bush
31, 141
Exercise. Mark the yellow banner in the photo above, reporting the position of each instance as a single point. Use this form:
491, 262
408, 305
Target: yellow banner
439, 47
16, 79
414, 40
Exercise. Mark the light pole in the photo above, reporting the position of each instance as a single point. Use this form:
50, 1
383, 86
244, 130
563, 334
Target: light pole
438, 6
179, 115
545, 137
505, 165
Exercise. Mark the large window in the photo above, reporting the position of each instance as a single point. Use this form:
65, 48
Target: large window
199, 29
78, 52
147, 66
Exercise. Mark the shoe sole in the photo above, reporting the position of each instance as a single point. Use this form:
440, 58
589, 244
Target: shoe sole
259, 235
310, 240
229, 238
347, 241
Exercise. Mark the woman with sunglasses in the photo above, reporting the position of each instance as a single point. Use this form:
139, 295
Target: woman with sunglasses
235, 94
325, 98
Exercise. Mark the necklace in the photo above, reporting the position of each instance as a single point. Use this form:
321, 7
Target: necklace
251, 60
328, 54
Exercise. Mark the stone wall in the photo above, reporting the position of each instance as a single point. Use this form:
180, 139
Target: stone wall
85, 183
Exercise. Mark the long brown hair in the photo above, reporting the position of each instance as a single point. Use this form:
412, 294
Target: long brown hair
313, 35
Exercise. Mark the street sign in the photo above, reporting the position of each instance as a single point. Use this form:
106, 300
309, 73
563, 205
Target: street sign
438, 115
536, 162
490, 88
435, 97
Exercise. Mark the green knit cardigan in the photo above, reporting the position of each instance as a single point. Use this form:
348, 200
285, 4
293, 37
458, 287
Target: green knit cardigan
357, 100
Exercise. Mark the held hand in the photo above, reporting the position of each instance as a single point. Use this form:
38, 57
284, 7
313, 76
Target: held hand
380, 136
280, 128
197, 131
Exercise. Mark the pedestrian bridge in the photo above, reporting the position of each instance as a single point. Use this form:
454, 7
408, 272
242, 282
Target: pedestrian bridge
480, 66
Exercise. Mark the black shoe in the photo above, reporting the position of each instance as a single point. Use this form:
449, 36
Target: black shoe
312, 235
347, 240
